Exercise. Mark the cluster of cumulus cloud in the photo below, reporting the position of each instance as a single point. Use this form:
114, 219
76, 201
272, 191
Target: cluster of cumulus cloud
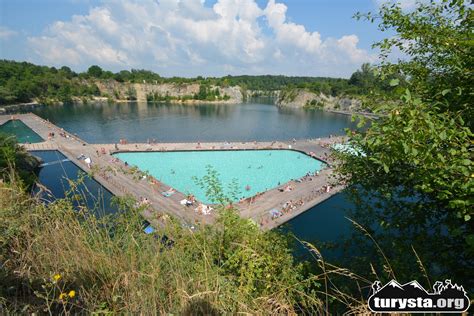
188, 37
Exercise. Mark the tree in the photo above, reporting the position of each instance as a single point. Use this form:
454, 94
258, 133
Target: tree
417, 162
67, 72
94, 71
364, 78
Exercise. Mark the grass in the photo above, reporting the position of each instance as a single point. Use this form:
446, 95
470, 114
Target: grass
56, 259
112, 266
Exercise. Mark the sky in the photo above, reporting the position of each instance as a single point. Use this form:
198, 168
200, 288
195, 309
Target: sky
193, 37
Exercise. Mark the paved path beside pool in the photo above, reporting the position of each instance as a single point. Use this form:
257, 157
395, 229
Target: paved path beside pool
120, 180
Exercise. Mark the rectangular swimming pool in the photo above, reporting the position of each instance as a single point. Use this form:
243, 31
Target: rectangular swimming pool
21, 131
57, 173
253, 170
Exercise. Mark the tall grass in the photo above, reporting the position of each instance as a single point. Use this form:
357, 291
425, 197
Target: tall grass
59, 260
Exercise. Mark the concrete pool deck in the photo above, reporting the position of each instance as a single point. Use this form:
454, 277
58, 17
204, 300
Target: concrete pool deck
118, 178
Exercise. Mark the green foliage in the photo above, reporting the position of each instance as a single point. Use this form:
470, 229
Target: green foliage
209, 94
94, 71
23, 82
417, 164
112, 266
313, 104
131, 93
437, 38
214, 190
14, 157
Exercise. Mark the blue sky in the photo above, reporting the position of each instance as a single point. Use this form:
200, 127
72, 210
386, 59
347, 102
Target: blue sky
192, 37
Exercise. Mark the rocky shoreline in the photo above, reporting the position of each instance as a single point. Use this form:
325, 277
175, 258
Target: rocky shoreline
21, 107
179, 94
301, 98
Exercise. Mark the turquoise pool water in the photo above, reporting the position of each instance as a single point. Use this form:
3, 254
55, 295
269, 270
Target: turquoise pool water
23, 133
260, 170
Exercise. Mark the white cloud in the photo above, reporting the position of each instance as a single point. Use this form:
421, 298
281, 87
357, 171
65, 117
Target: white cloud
184, 37
6, 33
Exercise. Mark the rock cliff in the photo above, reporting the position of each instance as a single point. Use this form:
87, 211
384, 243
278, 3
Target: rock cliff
299, 98
119, 90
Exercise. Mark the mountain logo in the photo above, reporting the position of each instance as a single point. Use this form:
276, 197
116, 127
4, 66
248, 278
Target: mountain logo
413, 298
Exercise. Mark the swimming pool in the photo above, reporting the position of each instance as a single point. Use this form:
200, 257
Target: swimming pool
23, 133
253, 170
55, 176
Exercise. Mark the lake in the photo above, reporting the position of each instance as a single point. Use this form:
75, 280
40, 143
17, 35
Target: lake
137, 122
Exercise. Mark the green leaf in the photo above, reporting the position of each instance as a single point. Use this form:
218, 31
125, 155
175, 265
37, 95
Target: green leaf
466, 162
394, 82
442, 135
407, 95
470, 240
445, 92
467, 217
405, 148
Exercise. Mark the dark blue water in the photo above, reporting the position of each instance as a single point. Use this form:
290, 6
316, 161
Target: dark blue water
322, 226
137, 122
56, 178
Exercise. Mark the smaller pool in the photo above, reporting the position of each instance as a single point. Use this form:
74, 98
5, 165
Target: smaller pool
55, 177
253, 170
23, 133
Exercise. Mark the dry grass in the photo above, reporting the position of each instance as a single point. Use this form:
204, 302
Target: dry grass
114, 267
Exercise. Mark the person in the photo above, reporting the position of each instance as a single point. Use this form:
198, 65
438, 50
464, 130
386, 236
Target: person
88, 161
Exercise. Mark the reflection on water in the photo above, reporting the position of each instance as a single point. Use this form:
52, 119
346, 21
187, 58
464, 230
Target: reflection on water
136, 122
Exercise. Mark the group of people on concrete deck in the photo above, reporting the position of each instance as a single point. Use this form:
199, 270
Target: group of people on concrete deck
292, 205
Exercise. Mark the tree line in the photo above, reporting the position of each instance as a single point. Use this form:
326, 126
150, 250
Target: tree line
22, 82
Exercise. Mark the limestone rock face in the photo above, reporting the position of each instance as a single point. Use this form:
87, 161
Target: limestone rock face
120, 90
299, 98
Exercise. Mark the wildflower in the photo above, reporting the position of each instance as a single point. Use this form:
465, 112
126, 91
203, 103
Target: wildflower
62, 296
56, 277
72, 293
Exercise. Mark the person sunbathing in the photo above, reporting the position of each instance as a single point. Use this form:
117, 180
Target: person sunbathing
168, 193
